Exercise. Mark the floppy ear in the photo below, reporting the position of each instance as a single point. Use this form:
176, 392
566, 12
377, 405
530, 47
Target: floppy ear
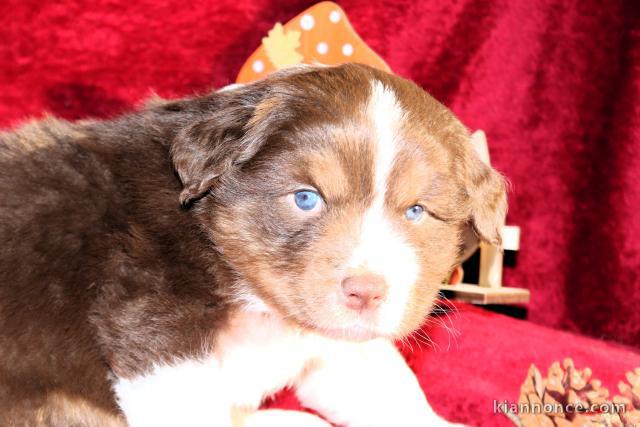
487, 193
228, 134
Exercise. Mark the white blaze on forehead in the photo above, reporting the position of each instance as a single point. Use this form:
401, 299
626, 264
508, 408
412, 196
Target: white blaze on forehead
385, 115
381, 249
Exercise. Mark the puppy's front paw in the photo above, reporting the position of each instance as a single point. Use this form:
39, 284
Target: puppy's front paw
279, 418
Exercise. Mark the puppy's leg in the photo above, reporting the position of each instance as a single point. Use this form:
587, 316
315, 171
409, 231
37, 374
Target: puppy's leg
366, 385
277, 418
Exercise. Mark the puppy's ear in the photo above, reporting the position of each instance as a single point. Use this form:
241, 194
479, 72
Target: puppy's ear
487, 193
228, 133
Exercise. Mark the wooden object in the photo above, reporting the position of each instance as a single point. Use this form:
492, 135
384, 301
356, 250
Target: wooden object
491, 257
489, 289
475, 294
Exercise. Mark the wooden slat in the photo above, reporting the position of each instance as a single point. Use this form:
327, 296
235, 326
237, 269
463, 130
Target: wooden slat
483, 295
491, 261
511, 238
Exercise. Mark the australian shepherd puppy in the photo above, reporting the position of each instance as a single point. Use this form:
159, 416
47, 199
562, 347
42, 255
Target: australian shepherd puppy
174, 266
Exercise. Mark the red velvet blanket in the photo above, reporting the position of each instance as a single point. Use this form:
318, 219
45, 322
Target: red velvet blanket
555, 84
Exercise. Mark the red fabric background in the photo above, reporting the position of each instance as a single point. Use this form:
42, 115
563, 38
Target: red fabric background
555, 84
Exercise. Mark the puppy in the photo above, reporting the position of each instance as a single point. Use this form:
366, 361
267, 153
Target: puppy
174, 266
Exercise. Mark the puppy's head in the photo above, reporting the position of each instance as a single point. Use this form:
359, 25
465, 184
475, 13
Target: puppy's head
338, 195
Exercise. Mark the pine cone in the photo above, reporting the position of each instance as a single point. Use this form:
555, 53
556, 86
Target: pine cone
567, 396
630, 397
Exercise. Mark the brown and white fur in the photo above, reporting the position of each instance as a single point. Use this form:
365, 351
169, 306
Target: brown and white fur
156, 269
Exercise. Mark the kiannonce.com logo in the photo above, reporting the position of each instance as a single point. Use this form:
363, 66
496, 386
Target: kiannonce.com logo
505, 407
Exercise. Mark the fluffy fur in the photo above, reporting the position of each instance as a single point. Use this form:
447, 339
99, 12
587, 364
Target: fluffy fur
136, 249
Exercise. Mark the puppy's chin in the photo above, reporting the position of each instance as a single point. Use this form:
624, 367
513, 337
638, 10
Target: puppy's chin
353, 333
361, 327
331, 319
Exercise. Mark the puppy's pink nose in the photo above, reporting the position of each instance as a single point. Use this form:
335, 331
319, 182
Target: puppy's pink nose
364, 291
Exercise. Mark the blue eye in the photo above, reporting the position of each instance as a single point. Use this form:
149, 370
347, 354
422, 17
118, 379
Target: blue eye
306, 199
414, 213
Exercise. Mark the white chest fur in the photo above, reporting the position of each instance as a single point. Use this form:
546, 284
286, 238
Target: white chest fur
354, 384
257, 355
261, 354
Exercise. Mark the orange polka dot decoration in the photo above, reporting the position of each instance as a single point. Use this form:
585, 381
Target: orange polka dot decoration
321, 34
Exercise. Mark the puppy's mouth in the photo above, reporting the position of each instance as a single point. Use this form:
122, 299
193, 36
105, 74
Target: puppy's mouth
361, 329
352, 333
352, 311
344, 322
